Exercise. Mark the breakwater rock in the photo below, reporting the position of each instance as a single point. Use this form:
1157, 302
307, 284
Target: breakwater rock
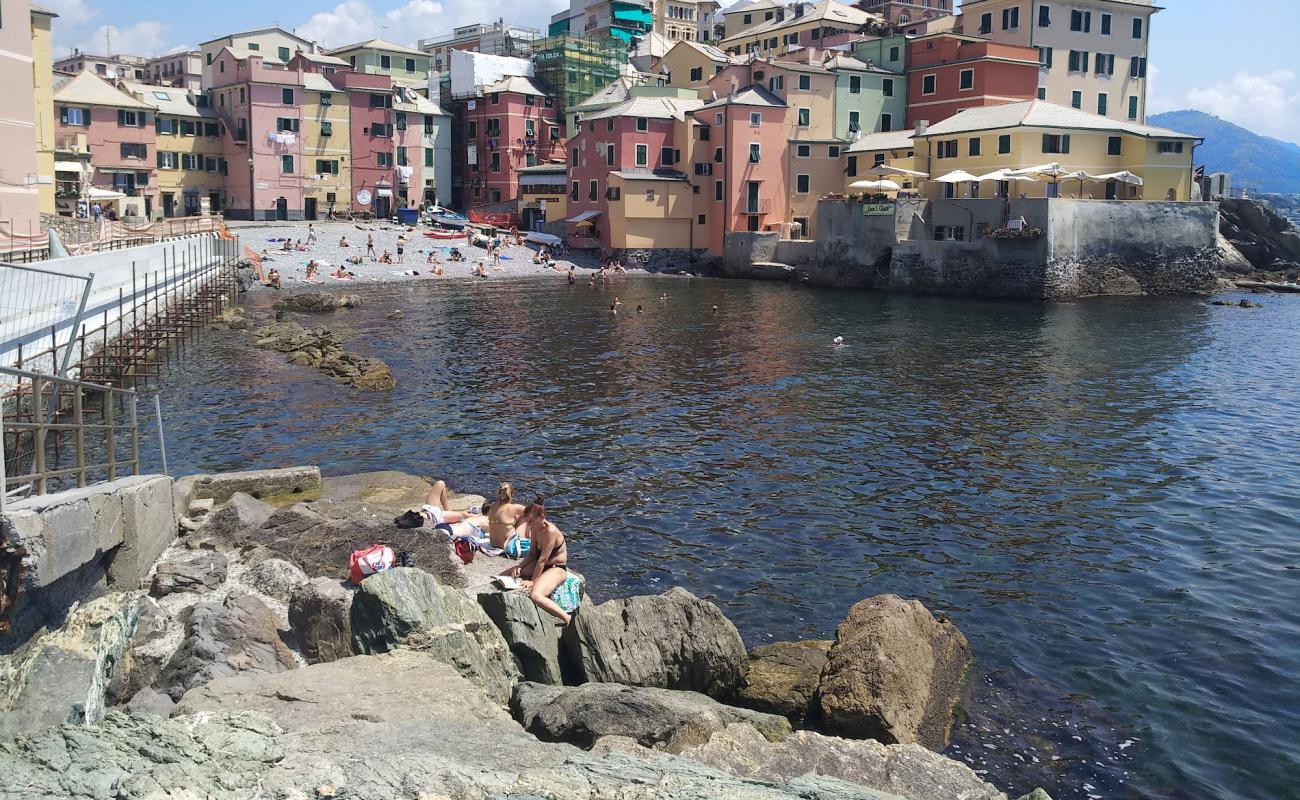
320, 348
1267, 240
317, 301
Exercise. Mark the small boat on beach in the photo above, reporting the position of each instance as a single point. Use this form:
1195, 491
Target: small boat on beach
537, 237
446, 218
445, 234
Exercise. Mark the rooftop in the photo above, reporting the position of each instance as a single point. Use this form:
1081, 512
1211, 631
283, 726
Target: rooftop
517, 84
650, 108
632, 175
1041, 114
379, 44
886, 140
825, 11
254, 32
749, 96
91, 90
169, 101
614, 93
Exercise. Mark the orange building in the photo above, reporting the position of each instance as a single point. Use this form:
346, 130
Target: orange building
948, 72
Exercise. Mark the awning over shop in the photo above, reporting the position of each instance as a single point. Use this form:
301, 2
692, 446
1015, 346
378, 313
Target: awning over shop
96, 193
586, 216
383, 192
68, 166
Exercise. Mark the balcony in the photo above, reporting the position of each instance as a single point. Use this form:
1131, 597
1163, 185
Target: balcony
757, 207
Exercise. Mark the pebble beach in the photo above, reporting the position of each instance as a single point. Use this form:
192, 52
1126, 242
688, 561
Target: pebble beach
516, 260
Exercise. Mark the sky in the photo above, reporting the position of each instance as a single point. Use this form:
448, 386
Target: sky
1231, 58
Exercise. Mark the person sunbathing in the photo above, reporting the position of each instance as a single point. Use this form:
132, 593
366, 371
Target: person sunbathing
506, 519
547, 564
300, 247
341, 274
386, 258
313, 272
343, 241
479, 270
288, 246
435, 513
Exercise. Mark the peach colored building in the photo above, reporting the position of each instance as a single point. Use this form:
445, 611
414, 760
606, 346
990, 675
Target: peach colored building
513, 124
948, 72
19, 197
119, 133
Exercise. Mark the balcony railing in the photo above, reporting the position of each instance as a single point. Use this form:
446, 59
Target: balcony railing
758, 207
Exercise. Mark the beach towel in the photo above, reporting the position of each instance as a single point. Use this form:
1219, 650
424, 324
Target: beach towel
568, 595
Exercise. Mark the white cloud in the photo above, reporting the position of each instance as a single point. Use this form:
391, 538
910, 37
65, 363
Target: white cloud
71, 12
147, 38
357, 20
1266, 103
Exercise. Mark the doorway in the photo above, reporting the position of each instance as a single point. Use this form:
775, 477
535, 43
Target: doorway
282, 209
169, 204
383, 207
309, 207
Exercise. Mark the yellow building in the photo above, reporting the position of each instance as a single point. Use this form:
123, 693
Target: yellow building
794, 30
691, 64
544, 192
326, 144
1093, 53
1015, 136
43, 83
652, 210
894, 148
191, 168
403, 64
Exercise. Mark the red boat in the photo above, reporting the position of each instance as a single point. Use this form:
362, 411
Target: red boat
445, 234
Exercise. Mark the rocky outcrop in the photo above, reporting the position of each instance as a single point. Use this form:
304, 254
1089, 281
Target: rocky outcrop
320, 617
408, 608
662, 719
63, 676
241, 512
529, 631
1265, 238
782, 677
903, 770
321, 546
320, 348
233, 635
156, 637
894, 673
317, 301
275, 577
223, 487
670, 641
200, 573
233, 319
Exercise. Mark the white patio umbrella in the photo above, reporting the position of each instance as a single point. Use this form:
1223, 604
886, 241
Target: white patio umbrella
885, 170
880, 185
957, 176
1052, 169
1123, 176
1080, 176
1006, 174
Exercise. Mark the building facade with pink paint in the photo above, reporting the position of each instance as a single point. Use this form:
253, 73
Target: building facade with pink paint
514, 124
119, 134
372, 126
19, 196
635, 136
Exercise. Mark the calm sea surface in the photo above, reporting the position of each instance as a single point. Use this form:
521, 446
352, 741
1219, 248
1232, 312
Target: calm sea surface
1102, 494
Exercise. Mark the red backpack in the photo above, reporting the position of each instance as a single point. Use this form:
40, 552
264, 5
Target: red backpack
376, 558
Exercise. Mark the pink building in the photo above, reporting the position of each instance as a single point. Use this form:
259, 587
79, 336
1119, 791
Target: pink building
749, 141
119, 133
513, 125
19, 197
372, 128
636, 135
260, 104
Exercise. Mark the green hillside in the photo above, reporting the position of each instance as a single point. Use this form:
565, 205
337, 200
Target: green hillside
1256, 162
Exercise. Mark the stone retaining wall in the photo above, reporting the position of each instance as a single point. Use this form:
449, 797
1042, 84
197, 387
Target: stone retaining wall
668, 260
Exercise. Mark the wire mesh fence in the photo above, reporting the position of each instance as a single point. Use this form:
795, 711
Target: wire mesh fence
34, 304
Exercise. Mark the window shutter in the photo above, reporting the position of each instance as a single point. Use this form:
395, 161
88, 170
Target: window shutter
1065, 143
1083, 61
63, 115
1047, 142
121, 117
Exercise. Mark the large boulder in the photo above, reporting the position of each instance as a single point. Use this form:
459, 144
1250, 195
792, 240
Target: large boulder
408, 608
156, 637
320, 617
62, 676
201, 573
260, 483
529, 631
663, 719
670, 641
317, 301
233, 635
241, 512
894, 673
906, 770
782, 677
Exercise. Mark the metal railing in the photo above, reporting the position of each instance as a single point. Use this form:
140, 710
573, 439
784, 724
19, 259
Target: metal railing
92, 416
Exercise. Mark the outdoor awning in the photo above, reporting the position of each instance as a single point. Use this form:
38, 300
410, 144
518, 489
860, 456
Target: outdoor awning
956, 176
1123, 176
68, 166
383, 192
585, 216
96, 193
885, 171
883, 185
1005, 174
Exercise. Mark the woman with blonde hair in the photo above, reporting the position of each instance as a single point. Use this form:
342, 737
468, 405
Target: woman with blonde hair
505, 522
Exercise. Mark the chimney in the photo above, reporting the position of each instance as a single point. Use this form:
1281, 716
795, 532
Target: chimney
922, 125
315, 48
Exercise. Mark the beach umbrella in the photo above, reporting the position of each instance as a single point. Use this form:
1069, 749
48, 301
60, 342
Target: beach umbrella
885, 170
1051, 169
880, 185
957, 176
1123, 176
1006, 174
1080, 176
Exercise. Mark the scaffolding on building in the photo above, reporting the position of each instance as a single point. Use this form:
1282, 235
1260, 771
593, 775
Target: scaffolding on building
573, 68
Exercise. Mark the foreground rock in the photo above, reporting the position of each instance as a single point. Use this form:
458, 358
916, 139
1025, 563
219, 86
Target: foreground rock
277, 578
62, 676
200, 573
662, 719
259, 483
670, 641
156, 637
906, 770
317, 301
419, 731
894, 674
529, 632
407, 608
228, 636
320, 348
782, 677
321, 546
320, 617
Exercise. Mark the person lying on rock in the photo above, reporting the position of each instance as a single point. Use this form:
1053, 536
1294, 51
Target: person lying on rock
506, 522
435, 511
546, 565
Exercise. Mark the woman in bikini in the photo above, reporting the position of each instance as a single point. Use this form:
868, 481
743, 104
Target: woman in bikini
546, 565
505, 517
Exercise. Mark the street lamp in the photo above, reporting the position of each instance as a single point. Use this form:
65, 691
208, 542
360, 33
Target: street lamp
252, 213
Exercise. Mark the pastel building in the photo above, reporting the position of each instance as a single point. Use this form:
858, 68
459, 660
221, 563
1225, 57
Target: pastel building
405, 65
747, 133
692, 64
118, 132
904, 12
805, 26
498, 38
543, 191
513, 124
183, 70
20, 199
110, 67
43, 88
274, 46
326, 143
749, 14
892, 148
1019, 135
1092, 53
948, 72
188, 151
372, 126
423, 148
260, 104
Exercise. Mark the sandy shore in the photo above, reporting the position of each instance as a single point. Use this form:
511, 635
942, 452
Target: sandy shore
516, 261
